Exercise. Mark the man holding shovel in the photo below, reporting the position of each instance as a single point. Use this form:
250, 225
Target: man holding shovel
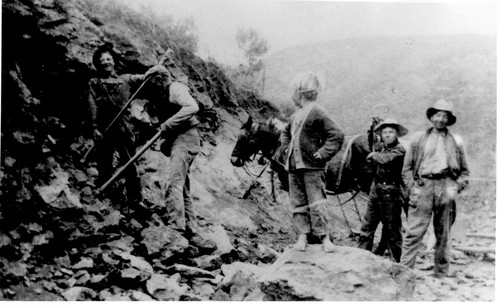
171, 102
107, 97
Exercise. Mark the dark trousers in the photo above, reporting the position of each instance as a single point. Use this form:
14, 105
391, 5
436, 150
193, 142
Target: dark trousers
384, 205
120, 140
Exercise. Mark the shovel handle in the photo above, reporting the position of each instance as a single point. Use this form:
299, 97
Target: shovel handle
169, 54
131, 161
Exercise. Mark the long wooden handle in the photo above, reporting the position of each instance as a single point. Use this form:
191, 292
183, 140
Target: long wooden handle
131, 161
167, 55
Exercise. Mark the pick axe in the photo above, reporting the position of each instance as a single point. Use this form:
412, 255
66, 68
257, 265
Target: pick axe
166, 56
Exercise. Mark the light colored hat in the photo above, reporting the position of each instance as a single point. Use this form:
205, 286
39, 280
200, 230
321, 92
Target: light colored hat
306, 82
442, 105
391, 123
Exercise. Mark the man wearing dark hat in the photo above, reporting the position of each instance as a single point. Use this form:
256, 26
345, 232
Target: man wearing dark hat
435, 171
108, 93
385, 200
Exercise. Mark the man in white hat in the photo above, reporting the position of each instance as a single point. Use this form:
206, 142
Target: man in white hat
311, 138
386, 201
435, 171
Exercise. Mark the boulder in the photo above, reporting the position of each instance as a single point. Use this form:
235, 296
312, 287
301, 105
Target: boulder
219, 236
136, 262
205, 245
208, 263
347, 274
82, 277
109, 295
140, 296
79, 294
202, 289
189, 271
266, 254
230, 270
84, 263
52, 193
164, 288
157, 239
132, 278
240, 281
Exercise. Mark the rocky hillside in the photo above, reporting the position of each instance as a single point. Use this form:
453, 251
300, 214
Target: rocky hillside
60, 241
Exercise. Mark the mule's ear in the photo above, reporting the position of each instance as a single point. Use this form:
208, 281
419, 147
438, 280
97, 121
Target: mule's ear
249, 122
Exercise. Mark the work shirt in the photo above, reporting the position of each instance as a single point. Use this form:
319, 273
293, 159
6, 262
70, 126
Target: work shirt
434, 156
389, 163
296, 160
311, 130
179, 111
454, 149
107, 96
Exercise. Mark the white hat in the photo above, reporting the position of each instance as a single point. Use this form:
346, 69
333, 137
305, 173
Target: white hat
442, 105
306, 82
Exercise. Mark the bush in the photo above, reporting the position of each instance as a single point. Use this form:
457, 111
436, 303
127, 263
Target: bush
145, 22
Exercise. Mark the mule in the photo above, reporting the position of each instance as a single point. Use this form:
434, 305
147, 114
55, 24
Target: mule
347, 171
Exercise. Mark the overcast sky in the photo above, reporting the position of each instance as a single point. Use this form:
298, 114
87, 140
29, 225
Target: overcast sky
288, 23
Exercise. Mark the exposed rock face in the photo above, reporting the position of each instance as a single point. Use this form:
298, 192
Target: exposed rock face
348, 274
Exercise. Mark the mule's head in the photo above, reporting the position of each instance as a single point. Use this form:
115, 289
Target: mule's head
245, 145
255, 137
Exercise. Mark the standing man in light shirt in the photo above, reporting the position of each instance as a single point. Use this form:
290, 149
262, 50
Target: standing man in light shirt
435, 171
311, 138
171, 102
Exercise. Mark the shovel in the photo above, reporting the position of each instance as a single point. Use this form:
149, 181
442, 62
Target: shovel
167, 55
131, 161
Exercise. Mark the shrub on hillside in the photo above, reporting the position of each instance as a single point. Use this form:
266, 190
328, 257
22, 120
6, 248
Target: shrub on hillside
145, 22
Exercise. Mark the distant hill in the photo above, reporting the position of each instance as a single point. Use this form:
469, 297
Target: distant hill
406, 73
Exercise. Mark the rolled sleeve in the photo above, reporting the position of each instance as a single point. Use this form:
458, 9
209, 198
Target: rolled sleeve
179, 94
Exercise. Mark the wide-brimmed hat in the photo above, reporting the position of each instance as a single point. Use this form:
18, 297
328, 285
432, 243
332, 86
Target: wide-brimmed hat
391, 123
105, 48
442, 105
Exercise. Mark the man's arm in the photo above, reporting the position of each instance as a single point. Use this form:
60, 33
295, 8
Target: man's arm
93, 112
179, 94
409, 164
463, 177
384, 158
334, 137
286, 134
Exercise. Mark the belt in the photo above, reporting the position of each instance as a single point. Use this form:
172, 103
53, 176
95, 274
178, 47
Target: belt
387, 184
433, 176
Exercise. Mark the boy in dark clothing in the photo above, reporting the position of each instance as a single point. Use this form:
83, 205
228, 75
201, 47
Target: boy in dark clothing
385, 200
